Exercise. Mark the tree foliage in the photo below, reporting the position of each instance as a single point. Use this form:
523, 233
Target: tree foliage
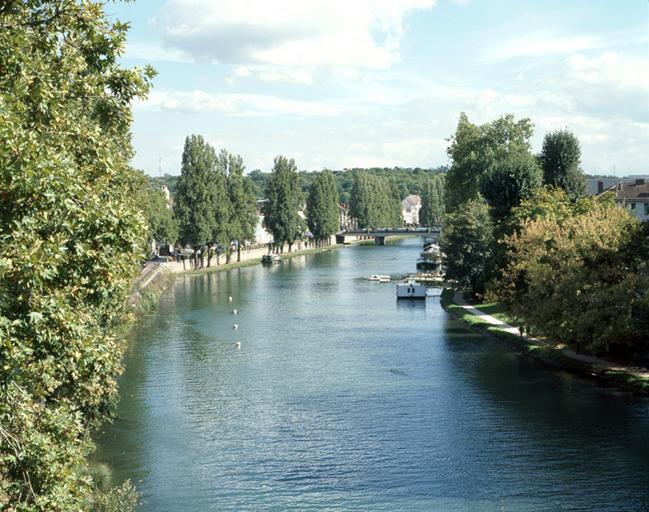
241, 203
508, 182
474, 150
374, 202
200, 189
160, 218
432, 202
71, 237
578, 274
560, 158
283, 201
322, 206
467, 244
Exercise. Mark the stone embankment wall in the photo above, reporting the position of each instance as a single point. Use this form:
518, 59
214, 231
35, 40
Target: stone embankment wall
246, 255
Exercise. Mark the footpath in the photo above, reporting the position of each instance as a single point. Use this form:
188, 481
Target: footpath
634, 378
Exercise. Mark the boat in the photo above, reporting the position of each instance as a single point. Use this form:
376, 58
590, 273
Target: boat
429, 264
380, 278
268, 259
411, 290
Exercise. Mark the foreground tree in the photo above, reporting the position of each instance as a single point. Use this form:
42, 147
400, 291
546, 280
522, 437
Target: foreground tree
322, 207
71, 238
467, 243
578, 274
560, 159
283, 200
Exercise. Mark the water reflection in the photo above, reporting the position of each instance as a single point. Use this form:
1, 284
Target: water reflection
343, 398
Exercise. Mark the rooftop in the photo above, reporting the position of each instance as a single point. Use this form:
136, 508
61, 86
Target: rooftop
636, 190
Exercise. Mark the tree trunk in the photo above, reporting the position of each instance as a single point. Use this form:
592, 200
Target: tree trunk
209, 257
239, 253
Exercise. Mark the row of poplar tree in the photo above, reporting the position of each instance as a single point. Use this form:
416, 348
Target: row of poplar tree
215, 211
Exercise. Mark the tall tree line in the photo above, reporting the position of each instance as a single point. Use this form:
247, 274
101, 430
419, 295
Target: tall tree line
322, 208
214, 204
375, 202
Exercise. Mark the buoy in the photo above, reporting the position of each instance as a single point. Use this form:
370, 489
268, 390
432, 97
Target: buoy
235, 326
234, 311
238, 344
229, 299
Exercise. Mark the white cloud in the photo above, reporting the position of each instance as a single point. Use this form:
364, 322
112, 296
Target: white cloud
611, 70
540, 44
290, 39
153, 53
259, 105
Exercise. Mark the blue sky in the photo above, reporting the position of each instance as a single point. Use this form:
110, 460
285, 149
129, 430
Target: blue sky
359, 83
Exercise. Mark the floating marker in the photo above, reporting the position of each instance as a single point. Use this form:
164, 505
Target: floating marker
229, 299
235, 326
234, 311
238, 345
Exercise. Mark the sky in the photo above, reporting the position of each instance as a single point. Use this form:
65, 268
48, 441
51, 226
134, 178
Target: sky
359, 83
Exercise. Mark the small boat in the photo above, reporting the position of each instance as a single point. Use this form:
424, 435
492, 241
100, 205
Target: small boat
428, 264
380, 278
411, 290
268, 259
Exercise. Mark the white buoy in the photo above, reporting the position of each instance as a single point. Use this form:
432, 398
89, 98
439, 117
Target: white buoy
229, 299
238, 345
234, 311
235, 326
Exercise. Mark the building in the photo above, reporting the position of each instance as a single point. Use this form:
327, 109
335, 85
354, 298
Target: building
633, 195
345, 220
596, 186
410, 207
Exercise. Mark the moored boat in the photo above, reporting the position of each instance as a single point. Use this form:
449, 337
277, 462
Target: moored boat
411, 290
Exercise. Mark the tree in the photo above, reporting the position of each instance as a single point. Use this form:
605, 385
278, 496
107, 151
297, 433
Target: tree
467, 244
510, 181
242, 219
197, 195
283, 199
432, 202
560, 158
374, 202
322, 207
581, 278
160, 219
475, 149
71, 239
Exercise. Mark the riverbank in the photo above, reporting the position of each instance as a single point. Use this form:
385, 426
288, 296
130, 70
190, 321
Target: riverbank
499, 326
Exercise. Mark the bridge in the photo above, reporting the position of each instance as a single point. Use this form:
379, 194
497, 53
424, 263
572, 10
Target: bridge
380, 234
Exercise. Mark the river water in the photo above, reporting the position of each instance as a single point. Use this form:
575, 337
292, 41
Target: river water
341, 398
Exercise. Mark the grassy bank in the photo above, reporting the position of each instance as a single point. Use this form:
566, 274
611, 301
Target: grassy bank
547, 352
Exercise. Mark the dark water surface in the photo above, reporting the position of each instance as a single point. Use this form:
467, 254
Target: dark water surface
340, 398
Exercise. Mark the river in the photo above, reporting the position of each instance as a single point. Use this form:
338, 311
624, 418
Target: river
341, 398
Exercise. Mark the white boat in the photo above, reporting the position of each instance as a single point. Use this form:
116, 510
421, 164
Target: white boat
411, 290
384, 279
380, 278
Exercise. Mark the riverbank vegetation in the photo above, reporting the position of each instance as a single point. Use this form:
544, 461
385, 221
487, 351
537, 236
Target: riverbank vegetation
519, 230
71, 239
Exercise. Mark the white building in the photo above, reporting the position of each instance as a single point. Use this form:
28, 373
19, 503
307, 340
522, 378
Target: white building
410, 207
633, 195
